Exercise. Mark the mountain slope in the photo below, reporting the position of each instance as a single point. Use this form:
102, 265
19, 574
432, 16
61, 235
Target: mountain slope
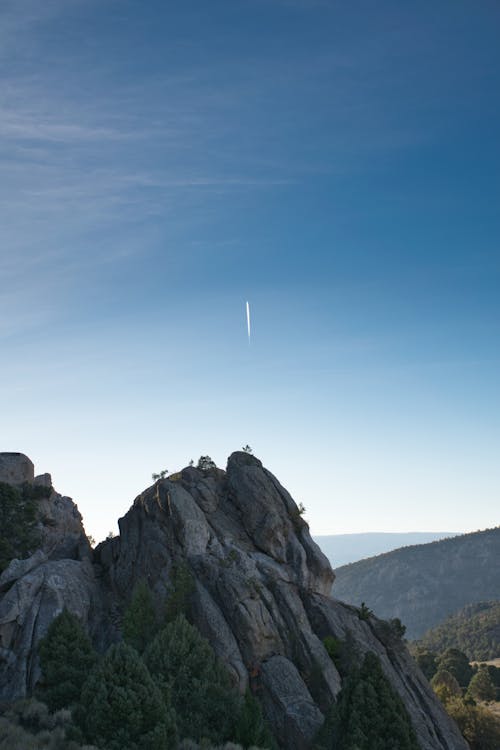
475, 630
425, 583
342, 549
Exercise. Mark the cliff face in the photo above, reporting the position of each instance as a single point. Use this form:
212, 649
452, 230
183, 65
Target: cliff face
425, 583
261, 597
35, 590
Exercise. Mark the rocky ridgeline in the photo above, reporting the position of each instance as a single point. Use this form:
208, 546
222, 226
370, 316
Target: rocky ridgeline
261, 595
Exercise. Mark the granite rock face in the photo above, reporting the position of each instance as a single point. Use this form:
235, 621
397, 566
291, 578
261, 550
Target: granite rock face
28, 604
16, 468
262, 595
35, 590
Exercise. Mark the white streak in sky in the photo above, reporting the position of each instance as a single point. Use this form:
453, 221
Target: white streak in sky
248, 321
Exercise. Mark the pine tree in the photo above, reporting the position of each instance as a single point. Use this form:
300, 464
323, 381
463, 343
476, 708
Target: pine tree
184, 666
251, 729
368, 715
181, 591
140, 623
66, 657
121, 708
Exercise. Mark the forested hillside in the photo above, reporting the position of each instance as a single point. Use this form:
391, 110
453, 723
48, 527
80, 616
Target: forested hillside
475, 630
425, 583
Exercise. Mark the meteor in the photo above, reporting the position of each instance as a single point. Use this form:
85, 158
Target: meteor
248, 321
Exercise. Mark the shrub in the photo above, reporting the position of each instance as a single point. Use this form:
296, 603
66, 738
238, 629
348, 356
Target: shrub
205, 463
427, 661
364, 612
479, 727
456, 662
445, 685
481, 687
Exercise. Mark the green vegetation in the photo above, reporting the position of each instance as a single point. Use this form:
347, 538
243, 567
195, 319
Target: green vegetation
459, 686
18, 521
368, 714
364, 612
140, 623
478, 726
180, 593
205, 463
251, 729
427, 661
121, 706
343, 653
28, 725
468, 572
475, 630
454, 661
125, 701
185, 668
161, 475
481, 687
445, 685
66, 657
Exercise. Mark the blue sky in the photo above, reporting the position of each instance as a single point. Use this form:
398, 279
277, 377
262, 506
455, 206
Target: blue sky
336, 164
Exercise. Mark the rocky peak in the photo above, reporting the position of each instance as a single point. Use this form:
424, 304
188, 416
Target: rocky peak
16, 469
262, 597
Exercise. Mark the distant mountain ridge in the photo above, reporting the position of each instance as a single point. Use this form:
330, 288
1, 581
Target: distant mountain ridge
425, 583
342, 549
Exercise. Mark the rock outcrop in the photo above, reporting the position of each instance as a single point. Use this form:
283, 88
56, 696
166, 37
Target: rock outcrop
262, 597
16, 468
35, 590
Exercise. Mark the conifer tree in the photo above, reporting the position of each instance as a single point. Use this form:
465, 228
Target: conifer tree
368, 715
251, 729
121, 708
140, 623
185, 668
66, 657
180, 594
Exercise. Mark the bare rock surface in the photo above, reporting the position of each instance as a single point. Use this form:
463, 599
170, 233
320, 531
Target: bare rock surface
28, 607
262, 595
16, 468
33, 591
